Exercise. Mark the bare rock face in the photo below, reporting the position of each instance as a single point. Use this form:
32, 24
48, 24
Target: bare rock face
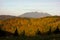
34, 15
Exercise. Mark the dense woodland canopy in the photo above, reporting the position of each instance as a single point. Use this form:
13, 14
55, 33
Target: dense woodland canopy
31, 25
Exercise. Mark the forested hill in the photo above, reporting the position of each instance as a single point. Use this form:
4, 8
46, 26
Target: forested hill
31, 25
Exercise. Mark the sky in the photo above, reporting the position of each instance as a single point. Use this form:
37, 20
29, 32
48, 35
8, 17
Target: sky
19, 7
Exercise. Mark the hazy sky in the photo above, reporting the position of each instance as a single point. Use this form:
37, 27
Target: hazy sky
18, 7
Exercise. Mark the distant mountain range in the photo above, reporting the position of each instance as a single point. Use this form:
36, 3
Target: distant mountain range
27, 15
34, 15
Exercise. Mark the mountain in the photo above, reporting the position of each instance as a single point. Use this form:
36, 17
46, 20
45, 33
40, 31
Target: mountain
34, 15
3, 17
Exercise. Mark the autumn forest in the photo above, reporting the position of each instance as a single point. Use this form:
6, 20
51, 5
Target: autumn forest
31, 26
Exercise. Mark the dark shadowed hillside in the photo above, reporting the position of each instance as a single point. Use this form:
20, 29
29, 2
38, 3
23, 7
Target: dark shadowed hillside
34, 15
3, 17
